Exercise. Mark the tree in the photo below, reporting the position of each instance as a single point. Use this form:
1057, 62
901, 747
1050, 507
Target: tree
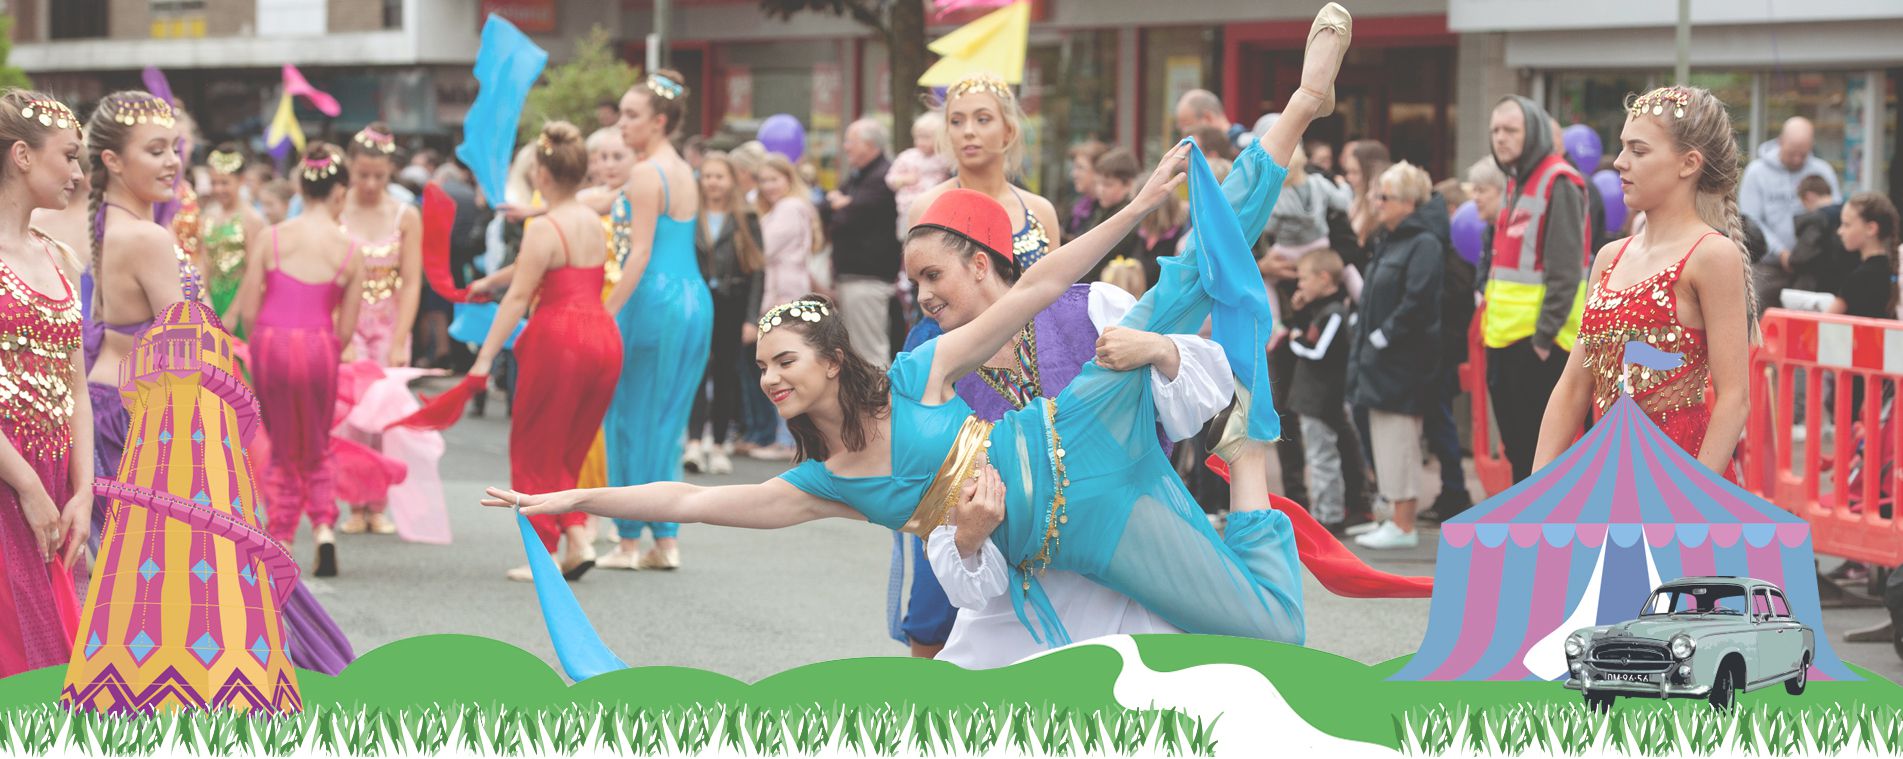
10, 76
571, 91
899, 23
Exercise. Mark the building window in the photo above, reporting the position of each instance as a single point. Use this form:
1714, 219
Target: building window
1069, 97
1175, 61
392, 14
77, 19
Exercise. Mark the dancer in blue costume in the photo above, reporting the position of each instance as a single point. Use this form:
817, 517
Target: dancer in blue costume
663, 309
1085, 486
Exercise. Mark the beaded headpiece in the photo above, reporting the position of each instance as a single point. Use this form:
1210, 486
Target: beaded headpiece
803, 310
381, 142
548, 146
1661, 100
144, 109
320, 166
665, 87
225, 162
983, 81
49, 112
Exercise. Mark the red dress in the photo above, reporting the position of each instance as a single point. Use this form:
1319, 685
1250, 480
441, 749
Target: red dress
39, 605
1676, 399
569, 358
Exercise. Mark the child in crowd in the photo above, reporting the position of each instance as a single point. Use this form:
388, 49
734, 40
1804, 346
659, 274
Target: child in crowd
1116, 172
274, 200
1319, 335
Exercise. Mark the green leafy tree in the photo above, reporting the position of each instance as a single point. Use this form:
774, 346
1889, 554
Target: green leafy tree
10, 76
899, 23
570, 91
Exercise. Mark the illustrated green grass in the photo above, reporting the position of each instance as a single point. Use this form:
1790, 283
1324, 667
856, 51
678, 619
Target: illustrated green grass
462, 693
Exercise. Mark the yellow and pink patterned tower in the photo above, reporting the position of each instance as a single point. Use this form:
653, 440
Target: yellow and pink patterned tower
184, 608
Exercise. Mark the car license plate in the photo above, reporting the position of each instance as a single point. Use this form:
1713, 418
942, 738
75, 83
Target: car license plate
1637, 678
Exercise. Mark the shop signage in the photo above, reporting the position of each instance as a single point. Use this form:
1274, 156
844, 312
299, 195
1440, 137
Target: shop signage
531, 16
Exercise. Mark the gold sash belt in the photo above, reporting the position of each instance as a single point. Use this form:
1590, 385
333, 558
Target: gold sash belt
967, 450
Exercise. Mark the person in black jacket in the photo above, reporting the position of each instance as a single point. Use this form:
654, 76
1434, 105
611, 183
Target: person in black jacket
860, 217
1320, 331
1397, 340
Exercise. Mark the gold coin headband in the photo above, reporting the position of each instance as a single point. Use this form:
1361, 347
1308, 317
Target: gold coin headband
665, 87
980, 82
803, 310
52, 113
378, 141
1658, 101
224, 162
320, 167
145, 110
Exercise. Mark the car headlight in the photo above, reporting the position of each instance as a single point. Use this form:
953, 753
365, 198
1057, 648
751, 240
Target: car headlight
1682, 646
1575, 645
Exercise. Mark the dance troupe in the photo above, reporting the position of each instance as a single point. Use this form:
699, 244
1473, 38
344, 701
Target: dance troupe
1026, 444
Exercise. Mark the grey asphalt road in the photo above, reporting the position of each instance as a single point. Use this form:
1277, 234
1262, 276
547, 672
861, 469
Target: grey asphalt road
747, 603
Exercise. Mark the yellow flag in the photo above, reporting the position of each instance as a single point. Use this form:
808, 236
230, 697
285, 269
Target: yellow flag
994, 43
284, 126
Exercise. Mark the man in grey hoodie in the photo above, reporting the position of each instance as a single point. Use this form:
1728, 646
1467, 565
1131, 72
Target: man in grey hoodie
1768, 194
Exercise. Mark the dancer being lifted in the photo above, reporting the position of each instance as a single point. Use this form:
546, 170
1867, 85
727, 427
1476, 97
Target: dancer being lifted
875, 451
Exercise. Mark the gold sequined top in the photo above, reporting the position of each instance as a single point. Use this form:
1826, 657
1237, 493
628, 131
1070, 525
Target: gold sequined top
1647, 311
185, 222
38, 335
224, 246
382, 263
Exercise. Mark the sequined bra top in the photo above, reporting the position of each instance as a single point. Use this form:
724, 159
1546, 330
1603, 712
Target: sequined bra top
1647, 311
38, 335
382, 262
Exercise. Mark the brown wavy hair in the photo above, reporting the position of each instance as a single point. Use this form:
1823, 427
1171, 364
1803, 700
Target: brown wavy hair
863, 392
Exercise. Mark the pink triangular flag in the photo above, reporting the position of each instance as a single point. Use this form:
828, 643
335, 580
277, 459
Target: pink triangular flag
295, 84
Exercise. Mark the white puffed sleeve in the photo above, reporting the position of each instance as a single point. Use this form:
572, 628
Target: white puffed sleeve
969, 582
1203, 385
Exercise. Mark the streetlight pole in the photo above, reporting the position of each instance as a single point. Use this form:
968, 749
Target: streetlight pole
1683, 73
657, 39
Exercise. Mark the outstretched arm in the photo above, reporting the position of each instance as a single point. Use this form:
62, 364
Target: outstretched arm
768, 505
962, 350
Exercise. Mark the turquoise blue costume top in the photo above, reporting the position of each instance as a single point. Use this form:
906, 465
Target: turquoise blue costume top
666, 331
1125, 520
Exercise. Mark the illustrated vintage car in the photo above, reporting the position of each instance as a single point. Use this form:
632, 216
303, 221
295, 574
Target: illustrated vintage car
1696, 637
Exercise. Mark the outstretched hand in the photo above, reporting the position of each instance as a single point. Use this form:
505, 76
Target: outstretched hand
532, 505
1163, 182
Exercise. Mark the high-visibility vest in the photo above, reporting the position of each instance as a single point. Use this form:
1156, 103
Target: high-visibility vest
1516, 285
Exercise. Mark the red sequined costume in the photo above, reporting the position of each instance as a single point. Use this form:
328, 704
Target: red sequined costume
1676, 399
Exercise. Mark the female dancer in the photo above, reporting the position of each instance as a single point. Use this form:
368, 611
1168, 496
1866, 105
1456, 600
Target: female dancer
46, 464
228, 224
1686, 288
302, 288
872, 452
388, 236
139, 271
984, 134
570, 353
662, 307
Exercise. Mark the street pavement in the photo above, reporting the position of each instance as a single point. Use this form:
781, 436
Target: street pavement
748, 603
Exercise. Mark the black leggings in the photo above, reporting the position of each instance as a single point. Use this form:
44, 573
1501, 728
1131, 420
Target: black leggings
723, 404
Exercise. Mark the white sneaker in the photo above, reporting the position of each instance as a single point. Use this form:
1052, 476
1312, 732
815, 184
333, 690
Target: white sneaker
1389, 537
1365, 527
694, 460
718, 463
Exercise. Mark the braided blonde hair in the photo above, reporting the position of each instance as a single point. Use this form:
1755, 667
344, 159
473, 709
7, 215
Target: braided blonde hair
1698, 121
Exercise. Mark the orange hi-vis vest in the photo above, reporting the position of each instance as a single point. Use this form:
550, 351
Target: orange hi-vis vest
1516, 285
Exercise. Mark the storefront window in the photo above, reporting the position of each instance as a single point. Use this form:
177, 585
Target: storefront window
1815, 95
1599, 99
1175, 61
805, 80
1069, 96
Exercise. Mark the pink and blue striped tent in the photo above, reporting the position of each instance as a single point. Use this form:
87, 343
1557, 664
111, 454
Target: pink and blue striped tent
1585, 540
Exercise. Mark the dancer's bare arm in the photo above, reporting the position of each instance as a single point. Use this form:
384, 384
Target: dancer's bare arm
768, 505
644, 203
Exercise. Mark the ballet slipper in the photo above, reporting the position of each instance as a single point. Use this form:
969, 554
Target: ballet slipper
1331, 16
1235, 432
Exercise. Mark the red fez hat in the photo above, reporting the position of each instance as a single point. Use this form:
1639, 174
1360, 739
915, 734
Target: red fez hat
974, 216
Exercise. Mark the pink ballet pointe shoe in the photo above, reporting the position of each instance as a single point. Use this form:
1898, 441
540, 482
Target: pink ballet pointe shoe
1331, 17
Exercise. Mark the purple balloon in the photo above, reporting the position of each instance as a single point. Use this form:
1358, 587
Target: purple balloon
1468, 231
1613, 195
781, 133
1583, 146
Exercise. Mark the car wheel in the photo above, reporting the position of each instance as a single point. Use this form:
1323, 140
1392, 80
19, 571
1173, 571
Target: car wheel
1724, 691
1599, 703
1795, 685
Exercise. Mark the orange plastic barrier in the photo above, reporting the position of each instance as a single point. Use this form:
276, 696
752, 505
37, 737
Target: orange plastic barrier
1831, 489
1490, 461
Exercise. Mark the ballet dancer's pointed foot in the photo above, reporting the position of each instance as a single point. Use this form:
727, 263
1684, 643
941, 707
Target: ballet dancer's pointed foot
1321, 61
580, 560
326, 540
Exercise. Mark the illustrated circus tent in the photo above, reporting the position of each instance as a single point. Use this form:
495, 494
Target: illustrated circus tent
184, 606
1585, 540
